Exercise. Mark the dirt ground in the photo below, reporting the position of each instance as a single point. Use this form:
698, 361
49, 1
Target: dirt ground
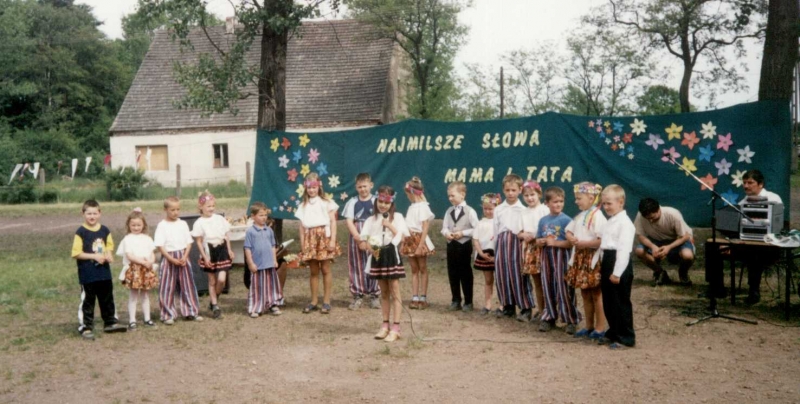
443, 356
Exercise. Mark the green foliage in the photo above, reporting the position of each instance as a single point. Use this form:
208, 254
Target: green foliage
659, 100
125, 184
430, 34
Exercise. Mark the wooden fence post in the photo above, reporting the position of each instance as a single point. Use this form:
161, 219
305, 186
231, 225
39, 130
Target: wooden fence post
178, 180
41, 177
248, 184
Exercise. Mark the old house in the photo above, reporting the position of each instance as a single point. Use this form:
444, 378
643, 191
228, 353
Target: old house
339, 75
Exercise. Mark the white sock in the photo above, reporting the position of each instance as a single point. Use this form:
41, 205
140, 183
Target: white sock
145, 304
132, 305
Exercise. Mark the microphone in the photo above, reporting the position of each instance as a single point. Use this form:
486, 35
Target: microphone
385, 216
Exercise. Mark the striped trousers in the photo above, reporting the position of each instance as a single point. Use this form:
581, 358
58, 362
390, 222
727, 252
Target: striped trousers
170, 276
513, 288
559, 298
360, 283
265, 290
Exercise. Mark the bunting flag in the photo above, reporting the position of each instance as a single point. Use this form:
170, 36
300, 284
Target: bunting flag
88, 161
14, 173
147, 158
74, 167
34, 169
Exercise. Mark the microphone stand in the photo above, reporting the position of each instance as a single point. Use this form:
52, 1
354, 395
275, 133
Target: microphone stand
714, 196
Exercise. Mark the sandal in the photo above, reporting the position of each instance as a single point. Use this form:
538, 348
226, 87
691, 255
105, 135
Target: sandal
150, 323
310, 308
132, 326
326, 308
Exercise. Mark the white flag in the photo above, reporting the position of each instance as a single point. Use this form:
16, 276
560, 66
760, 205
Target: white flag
14, 173
88, 160
34, 170
74, 167
147, 157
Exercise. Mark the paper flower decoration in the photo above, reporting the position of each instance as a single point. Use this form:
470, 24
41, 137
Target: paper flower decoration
618, 126
724, 142
343, 195
274, 144
313, 156
286, 143
746, 154
670, 153
706, 153
731, 196
708, 180
709, 130
674, 132
304, 140
690, 139
723, 167
627, 138
292, 174
591, 124
737, 180
688, 164
297, 156
300, 190
655, 141
638, 127
283, 162
333, 181
322, 169
305, 169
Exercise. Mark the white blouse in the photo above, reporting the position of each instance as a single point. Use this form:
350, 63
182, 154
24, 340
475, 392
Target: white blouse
508, 217
484, 233
419, 212
373, 226
316, 213
139, 245
212, 229
618, 234
173, 236
587, 233
531, 217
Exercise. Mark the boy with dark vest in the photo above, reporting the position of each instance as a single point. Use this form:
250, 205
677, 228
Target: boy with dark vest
92, 249
459, 222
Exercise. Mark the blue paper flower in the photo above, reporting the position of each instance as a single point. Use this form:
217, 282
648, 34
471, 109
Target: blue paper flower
297, 156
630, 149
730, 195
322, 169
618, 126
622, 153
706, 153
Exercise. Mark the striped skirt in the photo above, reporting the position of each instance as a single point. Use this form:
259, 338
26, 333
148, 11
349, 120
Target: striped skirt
360, 283
513, 288
559, 298
265, 290
219, 259
172, 276
315, 246
484, 265
581, 274
388, 265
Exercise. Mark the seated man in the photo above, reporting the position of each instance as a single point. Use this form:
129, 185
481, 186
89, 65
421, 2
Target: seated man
663, 233
757, 259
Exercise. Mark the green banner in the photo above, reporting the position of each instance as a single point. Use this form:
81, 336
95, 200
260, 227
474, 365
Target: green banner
553, 149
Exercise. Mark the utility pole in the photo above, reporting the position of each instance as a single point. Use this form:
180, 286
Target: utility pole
502, 101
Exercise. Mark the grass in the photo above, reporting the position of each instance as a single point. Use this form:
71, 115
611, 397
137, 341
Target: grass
74, 208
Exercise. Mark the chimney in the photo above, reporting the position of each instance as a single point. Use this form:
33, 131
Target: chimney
230, 25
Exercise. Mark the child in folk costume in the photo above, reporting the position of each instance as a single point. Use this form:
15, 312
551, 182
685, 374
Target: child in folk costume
212, 234
459, 223
174, 240
552, 236
381, 235
318, 244
483, 242
418, 246
513, 288
616, 269
357, 210
531, 261
136, 250
260, 252
584, 264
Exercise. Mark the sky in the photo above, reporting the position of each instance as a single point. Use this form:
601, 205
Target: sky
496, 27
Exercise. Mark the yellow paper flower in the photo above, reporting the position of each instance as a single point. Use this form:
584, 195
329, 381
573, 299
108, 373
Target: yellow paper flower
304, 140
674, 132
689, 164
304, 170
274, 144
300, 190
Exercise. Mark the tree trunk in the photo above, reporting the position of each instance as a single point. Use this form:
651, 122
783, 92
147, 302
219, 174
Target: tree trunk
272, 82
780, 51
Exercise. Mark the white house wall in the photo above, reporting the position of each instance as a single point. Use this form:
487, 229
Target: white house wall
195, 154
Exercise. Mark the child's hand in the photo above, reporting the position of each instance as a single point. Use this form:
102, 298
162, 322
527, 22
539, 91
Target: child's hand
109, 257
332, 245
420, 251
541, 241
100, 258
231, 254
252, 267
458, 235
614, 279
449, 236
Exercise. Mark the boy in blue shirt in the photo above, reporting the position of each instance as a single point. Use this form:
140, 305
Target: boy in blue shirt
260, 252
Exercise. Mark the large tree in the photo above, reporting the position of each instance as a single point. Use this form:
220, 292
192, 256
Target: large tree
428, 31
698, 33
534, 81
780, 50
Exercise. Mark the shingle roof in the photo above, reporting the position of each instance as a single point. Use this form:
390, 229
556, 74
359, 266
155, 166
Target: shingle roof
336, 71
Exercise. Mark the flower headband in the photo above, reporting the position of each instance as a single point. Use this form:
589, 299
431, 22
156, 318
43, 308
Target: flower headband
588, 188
533, 185
311, 183
412, 190
494, 199
386, 198
137, 210
203, 199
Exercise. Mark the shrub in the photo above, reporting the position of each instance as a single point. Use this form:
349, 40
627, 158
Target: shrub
20, 191
125, 185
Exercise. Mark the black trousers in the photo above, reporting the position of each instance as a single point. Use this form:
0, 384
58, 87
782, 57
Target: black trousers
617, 301
459, 270
103, 293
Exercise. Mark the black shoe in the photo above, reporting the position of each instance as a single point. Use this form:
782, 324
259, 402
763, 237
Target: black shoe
663, 278
114, 328
752, 300
509, 311
216, 312
467, 308
604, 341
455, 306
524, 316
87, 334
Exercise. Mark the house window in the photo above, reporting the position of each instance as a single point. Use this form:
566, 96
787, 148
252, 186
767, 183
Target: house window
220, 155
152, 158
